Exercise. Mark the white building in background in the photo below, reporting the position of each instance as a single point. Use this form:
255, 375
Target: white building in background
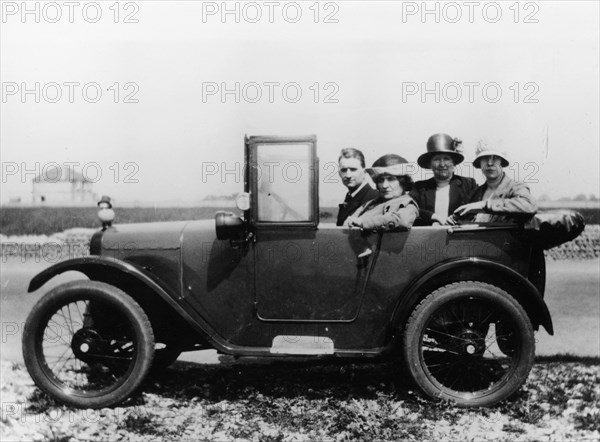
61, 186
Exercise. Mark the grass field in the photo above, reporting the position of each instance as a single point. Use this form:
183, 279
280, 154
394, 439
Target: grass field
49, 220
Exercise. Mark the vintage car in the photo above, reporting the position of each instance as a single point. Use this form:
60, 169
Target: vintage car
457, 306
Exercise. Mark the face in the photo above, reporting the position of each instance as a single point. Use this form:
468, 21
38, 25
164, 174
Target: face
491, 167
389, 187
442, 166
351, 172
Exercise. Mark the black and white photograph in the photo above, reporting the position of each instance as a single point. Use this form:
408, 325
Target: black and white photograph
300, 220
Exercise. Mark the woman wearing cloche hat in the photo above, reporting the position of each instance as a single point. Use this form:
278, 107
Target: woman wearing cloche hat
500, 198
439, 196
393, 208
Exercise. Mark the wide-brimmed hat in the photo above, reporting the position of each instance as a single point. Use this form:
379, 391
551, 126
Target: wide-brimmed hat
390, 164
441, 143
484, 150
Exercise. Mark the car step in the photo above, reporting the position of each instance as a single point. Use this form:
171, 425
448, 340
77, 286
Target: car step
302, 345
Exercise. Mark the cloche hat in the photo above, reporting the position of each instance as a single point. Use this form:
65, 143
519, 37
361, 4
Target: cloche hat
390, 164
483, 150
441, 143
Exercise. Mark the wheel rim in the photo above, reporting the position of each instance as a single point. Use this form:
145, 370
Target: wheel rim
470, 347
86, 348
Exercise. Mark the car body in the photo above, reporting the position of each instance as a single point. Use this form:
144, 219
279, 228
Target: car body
275, 282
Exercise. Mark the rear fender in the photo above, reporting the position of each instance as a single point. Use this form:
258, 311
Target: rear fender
157, 301
473, 269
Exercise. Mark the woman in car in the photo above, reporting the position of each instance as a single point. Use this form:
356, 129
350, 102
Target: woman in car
442, 194
500, 198
394, 208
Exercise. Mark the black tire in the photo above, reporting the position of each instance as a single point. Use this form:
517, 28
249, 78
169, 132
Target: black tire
88, 344
453, 351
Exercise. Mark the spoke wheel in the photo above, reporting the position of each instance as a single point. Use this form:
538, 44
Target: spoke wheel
88, 344
470, 343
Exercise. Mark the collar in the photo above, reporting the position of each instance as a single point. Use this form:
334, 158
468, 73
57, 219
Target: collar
504, 184
358, 189
500, 184
404, 197
456, 179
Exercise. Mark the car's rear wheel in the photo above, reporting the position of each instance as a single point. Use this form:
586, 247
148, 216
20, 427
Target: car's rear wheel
88, 344
470, 343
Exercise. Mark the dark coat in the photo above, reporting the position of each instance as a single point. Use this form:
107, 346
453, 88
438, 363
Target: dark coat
461, 189
350, 205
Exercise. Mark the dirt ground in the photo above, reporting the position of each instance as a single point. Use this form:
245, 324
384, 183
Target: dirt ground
308, 402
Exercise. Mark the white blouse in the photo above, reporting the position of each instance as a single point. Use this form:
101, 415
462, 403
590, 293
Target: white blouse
442, 202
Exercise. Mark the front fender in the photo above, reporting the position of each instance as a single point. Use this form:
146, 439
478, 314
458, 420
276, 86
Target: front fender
114, 271
90, 267
463, 269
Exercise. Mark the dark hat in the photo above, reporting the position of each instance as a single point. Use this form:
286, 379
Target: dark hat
105, 199
441, 143
390, 164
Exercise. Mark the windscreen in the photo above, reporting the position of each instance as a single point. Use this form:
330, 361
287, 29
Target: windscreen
283, 182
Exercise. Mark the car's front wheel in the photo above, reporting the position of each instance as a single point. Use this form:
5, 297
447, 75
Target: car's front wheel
88, 344
470, 343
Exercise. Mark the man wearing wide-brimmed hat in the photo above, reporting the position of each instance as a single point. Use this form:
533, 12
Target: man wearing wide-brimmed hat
439, 196
394, 208
500, 198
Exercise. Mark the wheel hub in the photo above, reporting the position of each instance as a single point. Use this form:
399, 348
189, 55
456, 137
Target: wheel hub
86, 343
472, 343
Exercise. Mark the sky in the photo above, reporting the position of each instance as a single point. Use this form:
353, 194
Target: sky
151, 100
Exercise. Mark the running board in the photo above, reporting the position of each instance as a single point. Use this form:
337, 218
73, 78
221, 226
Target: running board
302, 345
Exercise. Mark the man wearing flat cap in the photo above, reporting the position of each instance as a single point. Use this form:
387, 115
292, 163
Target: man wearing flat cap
439, 196
500, 198
393, 208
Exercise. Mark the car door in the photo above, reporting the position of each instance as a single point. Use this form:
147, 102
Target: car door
310, 275
303, 272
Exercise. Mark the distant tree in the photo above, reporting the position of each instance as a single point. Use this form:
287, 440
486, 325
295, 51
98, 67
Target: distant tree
593, 197
580, 197
544, 197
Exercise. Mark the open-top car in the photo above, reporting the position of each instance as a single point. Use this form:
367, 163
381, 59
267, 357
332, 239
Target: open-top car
457, 305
